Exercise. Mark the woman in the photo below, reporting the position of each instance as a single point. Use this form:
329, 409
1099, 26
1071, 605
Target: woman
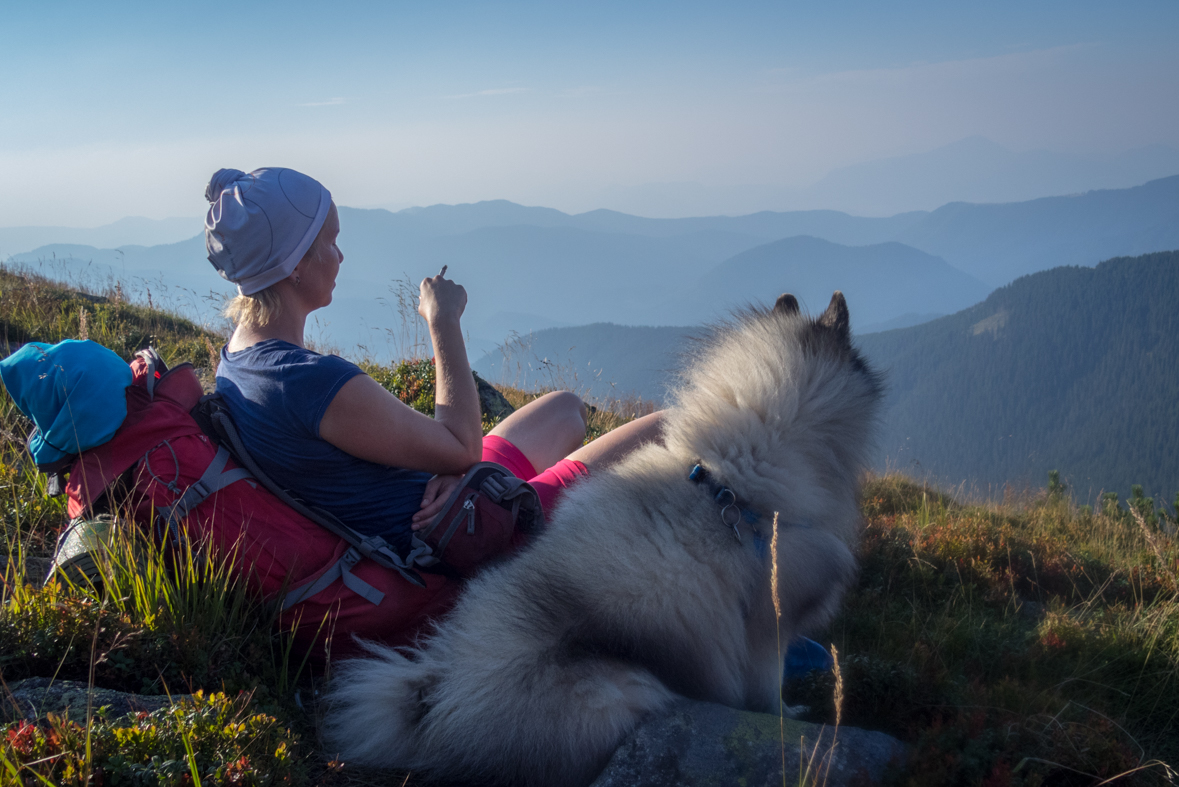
321, 427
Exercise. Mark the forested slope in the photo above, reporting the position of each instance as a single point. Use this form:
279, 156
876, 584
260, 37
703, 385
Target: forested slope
1075, 369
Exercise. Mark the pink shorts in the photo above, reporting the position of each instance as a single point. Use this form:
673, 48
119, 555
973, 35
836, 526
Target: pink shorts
550, 484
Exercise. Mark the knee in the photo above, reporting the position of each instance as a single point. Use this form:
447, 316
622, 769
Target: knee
573, 410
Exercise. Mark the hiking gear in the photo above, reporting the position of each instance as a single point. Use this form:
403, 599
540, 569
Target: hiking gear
78, 549
261, 224
488, 514
805, 655
177, 466
550, 485
72, 391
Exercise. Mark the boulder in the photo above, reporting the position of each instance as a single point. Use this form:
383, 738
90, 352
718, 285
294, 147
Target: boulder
34, 698
700, 744
492, 403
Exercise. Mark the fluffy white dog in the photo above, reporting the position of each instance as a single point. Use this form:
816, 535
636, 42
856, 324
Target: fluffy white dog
648, 584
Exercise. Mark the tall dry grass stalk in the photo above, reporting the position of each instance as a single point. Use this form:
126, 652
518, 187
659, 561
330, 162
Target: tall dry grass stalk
778, 627
1152, 540
838, 687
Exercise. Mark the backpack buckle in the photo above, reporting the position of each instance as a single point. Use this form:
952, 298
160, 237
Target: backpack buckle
494, 487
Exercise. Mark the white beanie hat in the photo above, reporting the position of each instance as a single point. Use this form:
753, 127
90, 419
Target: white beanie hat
261, 224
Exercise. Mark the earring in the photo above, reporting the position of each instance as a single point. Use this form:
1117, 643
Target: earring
297, 280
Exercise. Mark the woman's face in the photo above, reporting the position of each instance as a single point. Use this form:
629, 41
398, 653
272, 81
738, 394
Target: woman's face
319, 277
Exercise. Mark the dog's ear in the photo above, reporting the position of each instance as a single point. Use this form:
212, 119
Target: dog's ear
786, 304
836, 317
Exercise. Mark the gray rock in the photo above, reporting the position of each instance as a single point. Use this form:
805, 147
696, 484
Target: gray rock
34, 698
491, 402
701, 744
32, 571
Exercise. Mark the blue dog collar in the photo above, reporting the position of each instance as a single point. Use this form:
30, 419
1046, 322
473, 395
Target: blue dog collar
733, 512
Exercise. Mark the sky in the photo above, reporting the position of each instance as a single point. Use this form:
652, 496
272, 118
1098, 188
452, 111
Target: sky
125, 109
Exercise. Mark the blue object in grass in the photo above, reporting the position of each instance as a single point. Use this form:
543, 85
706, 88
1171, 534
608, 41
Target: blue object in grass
804, 655
74, 391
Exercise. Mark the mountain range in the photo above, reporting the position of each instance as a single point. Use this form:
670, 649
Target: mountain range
130, 231
1071, 369
531, 268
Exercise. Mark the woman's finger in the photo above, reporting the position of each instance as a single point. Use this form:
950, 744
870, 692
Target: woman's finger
426, 514
431, 491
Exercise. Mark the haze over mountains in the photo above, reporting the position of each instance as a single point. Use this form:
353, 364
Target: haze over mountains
973, 169
530, 268
130, 231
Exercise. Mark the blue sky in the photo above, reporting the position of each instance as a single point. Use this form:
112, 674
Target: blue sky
125, 108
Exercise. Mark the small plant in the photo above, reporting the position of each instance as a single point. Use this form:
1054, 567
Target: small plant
1142, 505
1056, 489
207, 739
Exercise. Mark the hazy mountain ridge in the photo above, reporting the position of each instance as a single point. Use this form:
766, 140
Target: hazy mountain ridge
886, 280
599, 266
1071, 369
130, 231
998, 243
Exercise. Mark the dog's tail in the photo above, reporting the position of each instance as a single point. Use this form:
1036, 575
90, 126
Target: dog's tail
502, 718
371, 709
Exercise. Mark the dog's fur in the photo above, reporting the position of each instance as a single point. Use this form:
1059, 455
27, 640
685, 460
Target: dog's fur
638, 591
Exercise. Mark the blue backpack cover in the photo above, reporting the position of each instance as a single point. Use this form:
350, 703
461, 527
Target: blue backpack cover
74, 391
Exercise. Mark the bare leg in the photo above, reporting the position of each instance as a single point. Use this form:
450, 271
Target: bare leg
617, 443
547, 429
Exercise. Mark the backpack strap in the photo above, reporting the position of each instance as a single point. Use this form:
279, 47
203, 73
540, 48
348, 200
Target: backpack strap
341, 569
215, 418
154, 369
214, 479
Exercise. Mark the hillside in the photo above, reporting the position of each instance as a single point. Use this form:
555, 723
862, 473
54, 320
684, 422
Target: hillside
1070, 369
968, 626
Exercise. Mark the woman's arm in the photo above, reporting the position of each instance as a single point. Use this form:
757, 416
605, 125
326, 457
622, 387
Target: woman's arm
367, 421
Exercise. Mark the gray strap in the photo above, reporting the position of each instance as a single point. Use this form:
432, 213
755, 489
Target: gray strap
341, 569
374, 548
152, 360
210, 482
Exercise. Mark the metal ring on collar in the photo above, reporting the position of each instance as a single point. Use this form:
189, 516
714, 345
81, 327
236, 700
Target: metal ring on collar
735, 520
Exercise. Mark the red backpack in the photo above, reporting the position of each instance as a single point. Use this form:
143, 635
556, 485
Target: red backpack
179, 466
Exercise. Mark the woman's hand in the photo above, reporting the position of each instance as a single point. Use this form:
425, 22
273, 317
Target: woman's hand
438, 491
439, 298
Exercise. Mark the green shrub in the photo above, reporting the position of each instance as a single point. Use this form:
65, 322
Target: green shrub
208, 739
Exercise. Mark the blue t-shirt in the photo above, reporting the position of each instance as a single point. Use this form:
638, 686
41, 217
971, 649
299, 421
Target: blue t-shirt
277, 394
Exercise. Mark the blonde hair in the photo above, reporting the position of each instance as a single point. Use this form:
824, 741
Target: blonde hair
261, 308
255, 310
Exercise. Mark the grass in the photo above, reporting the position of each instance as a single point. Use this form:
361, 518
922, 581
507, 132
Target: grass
1032, 642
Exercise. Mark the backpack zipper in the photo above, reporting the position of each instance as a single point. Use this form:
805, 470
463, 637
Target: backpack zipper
469, 507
